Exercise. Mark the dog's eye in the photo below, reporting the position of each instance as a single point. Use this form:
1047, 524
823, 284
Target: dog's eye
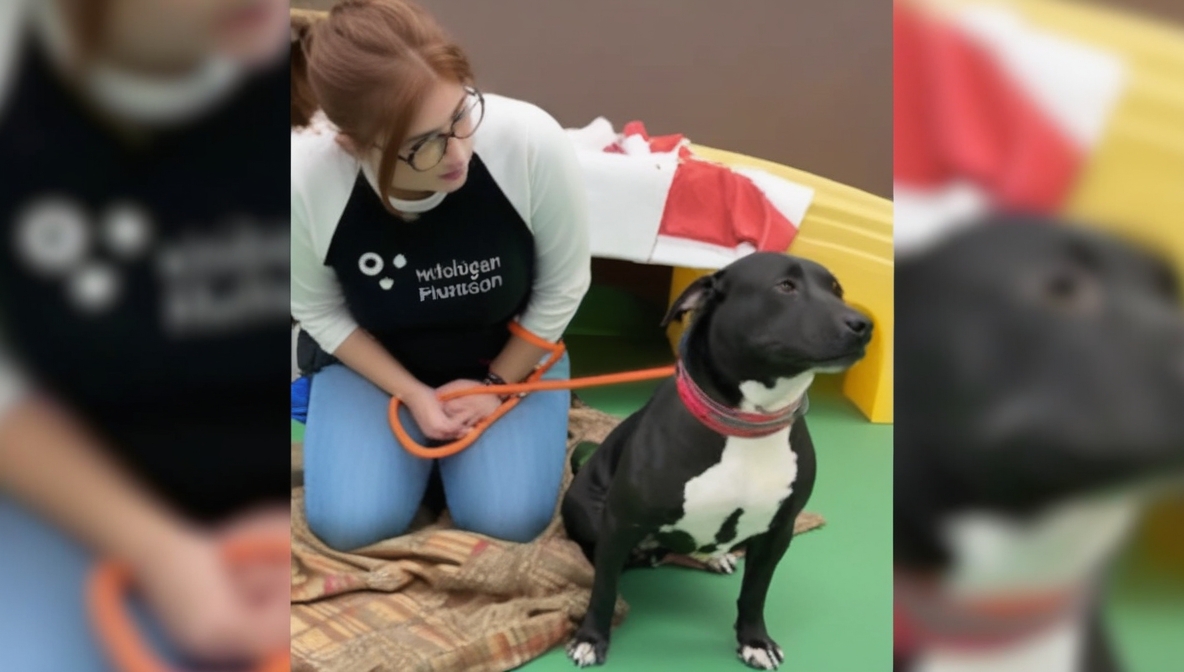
1071, 292
838, 291
787, 286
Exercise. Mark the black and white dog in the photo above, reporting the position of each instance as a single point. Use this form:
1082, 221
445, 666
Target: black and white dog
720, 456
1039, 388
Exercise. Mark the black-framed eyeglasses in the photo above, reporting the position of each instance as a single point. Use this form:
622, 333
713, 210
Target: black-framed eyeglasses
428, 152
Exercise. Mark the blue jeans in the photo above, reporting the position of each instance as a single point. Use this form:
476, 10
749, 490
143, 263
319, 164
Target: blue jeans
44, 624
361, 486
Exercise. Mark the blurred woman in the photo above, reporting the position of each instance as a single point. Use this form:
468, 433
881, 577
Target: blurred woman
143, 291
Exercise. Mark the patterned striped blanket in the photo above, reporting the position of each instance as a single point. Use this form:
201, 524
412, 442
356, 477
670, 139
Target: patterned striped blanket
439, 599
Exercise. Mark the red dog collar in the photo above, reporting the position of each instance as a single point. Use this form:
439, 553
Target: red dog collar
924, 615
730, 421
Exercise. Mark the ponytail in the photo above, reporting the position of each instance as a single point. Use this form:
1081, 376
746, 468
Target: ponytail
304, 100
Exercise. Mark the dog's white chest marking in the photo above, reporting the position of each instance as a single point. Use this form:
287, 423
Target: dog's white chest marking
753, 475
1064, 546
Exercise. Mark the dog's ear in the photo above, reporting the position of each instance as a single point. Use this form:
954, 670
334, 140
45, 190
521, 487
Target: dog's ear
693, 297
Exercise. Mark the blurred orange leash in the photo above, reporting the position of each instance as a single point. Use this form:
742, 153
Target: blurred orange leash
108, 587
533, 383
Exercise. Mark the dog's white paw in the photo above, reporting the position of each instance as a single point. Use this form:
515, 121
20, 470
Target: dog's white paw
720, 563
583, 654
762, 657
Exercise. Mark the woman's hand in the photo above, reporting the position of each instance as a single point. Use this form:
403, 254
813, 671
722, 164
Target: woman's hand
430, 414
211, 609
469, 409
266, 584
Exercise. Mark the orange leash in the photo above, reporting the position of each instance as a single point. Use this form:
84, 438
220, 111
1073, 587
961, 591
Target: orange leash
533, 383
110, 582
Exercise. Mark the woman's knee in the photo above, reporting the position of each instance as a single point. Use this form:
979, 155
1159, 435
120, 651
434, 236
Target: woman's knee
344, 530
346, 519
352, 505
517, 523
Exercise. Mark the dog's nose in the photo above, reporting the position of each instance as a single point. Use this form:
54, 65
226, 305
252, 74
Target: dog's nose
858, 324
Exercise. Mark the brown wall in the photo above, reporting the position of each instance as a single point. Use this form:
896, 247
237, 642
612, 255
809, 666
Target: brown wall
1163, 10
804, 83
801, 82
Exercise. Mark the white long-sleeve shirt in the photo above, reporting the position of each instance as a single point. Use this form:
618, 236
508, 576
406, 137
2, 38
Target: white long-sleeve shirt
438, 291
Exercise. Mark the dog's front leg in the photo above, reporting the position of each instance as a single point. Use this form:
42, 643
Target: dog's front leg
755, 647
1099, 653
589, 646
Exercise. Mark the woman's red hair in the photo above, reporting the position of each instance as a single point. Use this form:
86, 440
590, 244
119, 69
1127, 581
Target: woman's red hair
368, 65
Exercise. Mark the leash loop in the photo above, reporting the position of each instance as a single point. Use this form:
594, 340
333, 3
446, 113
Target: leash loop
533, 383
127, 649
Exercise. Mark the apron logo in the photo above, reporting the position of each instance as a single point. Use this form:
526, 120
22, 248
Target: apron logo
56, 239
371, 264
209, 280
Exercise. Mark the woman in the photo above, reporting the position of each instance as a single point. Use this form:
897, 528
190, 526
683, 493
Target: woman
426, 216
140, 401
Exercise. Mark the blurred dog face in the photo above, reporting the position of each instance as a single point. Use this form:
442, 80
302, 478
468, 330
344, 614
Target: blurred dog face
1036, 361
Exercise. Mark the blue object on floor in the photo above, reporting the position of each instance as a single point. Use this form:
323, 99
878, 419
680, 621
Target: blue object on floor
300, 392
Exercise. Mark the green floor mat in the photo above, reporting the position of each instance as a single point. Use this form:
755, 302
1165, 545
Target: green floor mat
1146, 618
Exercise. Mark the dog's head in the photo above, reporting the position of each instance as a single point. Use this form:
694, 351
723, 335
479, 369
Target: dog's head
769, 316
1035, 361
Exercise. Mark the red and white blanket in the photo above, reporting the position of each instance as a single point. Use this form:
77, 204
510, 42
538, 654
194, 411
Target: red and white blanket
652, 201
990, 112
